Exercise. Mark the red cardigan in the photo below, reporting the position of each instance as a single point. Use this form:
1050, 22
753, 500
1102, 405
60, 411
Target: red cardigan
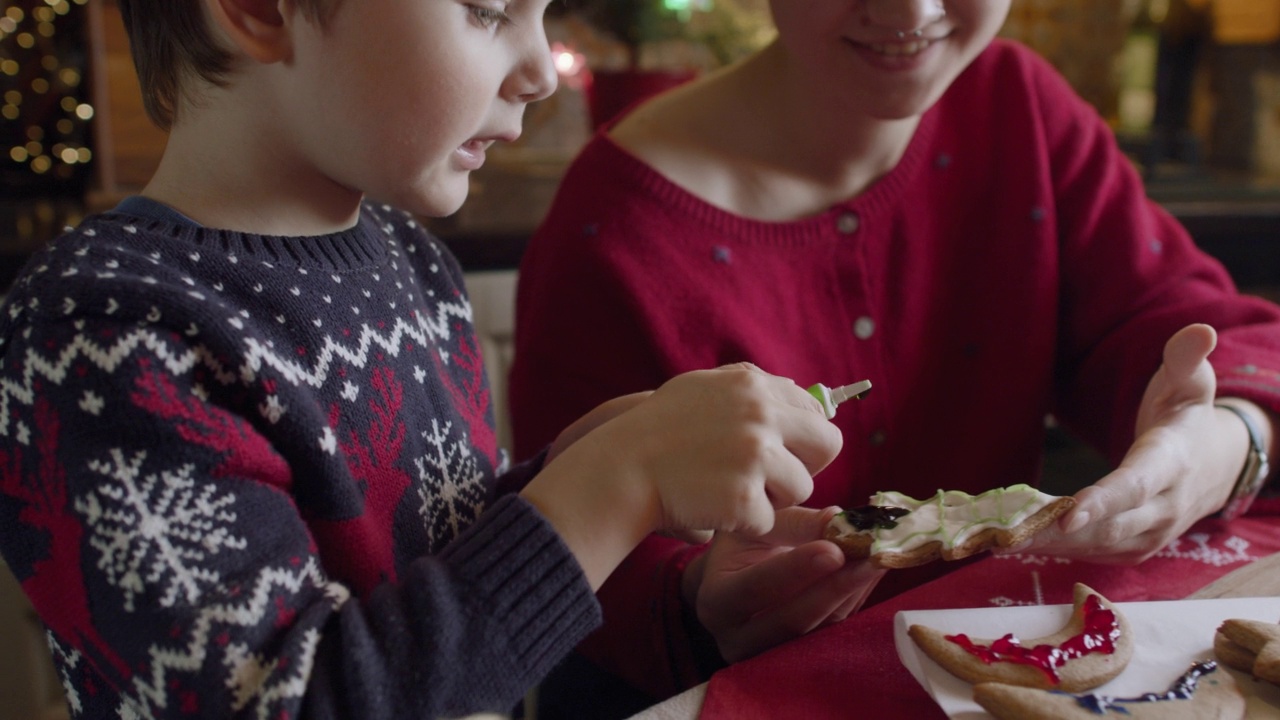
1009, 267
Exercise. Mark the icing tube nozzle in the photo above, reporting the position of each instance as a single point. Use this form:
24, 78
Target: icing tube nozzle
831, 397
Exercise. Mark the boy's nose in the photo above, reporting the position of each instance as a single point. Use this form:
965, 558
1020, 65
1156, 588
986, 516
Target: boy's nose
534, 77
904, 16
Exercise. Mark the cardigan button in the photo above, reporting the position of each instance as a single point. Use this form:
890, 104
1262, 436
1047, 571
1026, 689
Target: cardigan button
864, 327
848, 223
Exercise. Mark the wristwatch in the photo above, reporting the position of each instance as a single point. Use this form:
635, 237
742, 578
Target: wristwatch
1254, 474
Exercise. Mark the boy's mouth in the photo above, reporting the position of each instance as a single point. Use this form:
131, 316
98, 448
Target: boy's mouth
471, 154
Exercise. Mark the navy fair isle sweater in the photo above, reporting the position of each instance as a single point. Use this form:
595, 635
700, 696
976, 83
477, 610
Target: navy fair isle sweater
247, 476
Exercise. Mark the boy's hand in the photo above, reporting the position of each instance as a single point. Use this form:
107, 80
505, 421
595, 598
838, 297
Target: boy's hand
709, 450
724, 448
1180, 468
753, 593
601, 414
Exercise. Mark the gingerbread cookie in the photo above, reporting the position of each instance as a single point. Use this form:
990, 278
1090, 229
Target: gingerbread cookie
1094, 646
1251, 646
1203, 693
897, 531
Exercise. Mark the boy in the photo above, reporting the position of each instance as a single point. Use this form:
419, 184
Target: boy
247, 461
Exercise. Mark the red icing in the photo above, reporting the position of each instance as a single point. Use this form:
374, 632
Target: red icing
1099, 635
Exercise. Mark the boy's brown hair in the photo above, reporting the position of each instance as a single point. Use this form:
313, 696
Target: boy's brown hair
171, 40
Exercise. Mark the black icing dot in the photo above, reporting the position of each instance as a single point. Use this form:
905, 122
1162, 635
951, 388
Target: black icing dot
869, 517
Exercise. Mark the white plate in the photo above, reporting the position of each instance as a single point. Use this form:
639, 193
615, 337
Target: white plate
1170, 637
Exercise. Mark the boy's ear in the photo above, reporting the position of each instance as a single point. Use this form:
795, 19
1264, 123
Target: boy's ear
257, 27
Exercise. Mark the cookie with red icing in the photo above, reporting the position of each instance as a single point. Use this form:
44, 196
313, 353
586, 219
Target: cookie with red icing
1204, 692
897, 531
1093, 647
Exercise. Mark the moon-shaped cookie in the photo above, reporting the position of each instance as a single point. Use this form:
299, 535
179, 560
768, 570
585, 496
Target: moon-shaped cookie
1094, 646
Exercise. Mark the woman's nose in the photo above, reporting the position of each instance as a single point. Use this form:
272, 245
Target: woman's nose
904, 16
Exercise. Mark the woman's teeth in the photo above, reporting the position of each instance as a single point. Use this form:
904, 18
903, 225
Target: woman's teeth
907, 48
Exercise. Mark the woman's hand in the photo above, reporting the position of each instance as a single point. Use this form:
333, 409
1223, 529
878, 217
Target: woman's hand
754, 592
1181, 467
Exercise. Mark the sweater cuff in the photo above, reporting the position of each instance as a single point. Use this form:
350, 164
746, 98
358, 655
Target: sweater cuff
1247, 381
522, 570
514, 480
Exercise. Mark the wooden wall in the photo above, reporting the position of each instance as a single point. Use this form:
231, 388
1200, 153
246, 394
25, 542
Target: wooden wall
128, 146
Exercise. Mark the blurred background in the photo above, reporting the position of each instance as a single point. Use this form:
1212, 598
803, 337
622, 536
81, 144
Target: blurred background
1192, 88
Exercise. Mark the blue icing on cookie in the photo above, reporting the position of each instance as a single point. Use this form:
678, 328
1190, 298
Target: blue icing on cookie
1182, 689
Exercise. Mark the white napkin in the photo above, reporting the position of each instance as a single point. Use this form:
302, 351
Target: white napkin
1170, 637
684, 706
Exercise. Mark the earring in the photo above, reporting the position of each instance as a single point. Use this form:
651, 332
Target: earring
918, 33
900, 34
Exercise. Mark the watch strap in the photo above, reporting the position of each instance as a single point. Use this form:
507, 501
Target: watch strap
1255, 471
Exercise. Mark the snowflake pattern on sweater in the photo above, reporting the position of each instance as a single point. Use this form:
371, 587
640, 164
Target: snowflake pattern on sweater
248, 475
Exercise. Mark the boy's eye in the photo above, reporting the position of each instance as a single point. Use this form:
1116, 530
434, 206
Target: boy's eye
489, 16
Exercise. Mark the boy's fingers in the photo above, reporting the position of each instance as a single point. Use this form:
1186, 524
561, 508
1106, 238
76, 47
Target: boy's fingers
809, 436
755, 515
693, 537
784, 389
797, 525
787, 480
804, 428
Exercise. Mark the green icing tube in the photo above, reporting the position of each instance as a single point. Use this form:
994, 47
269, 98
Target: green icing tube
831, 397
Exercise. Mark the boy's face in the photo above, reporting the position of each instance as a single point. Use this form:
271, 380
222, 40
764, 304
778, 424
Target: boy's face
852, 47
399, 99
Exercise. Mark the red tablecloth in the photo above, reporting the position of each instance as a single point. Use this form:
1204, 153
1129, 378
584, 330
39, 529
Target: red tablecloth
851, 670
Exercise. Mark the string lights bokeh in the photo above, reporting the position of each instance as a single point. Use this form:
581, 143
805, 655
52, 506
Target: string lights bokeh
44, 107
684, 7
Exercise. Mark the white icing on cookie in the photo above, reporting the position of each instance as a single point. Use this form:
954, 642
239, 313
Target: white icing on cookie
950, 517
